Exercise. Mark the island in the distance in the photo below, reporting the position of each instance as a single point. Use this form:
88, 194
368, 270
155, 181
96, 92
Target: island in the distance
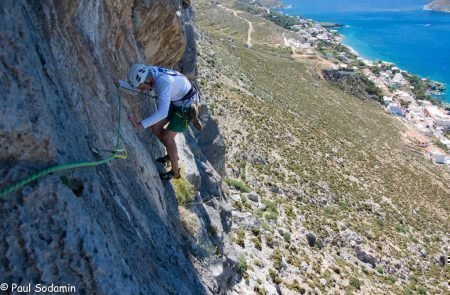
329, 25
438, 5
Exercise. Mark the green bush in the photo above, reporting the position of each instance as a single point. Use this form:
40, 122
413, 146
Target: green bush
277, 257
271, 212
273, 275
184, 190
257, 242
355, 283
295, 286
266, 227
282, 20
380, 269
246, 7
379, 222
441, 145
242, 265
401, 228
421, 291
287, 237
293, 260
392, 279
239, 185
240, 236
259, 290
271, 215
289, 210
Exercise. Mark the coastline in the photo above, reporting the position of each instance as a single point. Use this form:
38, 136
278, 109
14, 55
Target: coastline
435, 95
408, 97
443, 95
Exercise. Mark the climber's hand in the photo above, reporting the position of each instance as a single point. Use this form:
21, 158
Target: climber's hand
115, 81
136, 124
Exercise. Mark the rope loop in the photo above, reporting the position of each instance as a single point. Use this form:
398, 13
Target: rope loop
116, 153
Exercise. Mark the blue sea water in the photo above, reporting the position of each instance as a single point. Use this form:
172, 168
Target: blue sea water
398, 31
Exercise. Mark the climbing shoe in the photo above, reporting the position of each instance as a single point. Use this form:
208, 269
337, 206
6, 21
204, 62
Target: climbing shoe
169, 175
163, 160
193, 114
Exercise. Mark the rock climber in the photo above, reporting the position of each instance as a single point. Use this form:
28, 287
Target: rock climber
175, 107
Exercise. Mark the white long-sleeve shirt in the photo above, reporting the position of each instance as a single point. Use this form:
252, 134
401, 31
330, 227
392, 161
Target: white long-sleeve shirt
170, 86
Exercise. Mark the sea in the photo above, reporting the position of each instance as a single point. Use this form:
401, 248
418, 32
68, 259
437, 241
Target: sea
397, 31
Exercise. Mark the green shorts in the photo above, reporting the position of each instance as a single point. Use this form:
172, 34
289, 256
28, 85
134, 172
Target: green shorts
179, 118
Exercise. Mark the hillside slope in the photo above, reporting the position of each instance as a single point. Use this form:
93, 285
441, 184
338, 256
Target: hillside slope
339, 202
114, 228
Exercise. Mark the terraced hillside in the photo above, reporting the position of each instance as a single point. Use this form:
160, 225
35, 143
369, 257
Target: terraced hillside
328, 196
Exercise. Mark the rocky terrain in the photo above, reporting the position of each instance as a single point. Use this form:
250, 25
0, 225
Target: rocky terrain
296, 185
328, 197
438, 5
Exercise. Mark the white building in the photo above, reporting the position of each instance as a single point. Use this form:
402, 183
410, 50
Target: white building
442, 122
436, 154
387, 100
404, 96
398, 81
440, 119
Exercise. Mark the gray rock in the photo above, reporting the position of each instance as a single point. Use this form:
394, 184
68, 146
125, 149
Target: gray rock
283, 263
320, 243
211, 182
423, 252
235, 197
348, 236
311, 238
187, 160
441, 260
365, 257
262, 207
211, 142
253, 196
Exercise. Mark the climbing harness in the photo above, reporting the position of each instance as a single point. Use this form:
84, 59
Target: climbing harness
116, 153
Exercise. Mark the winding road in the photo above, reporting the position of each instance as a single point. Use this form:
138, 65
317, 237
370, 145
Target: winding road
250, 25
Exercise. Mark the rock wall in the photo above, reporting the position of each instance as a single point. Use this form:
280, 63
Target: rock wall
110, 229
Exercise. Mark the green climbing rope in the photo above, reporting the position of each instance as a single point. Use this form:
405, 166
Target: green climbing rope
116, 154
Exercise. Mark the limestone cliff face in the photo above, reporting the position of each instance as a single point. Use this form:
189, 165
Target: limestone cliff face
115, 228
439, 5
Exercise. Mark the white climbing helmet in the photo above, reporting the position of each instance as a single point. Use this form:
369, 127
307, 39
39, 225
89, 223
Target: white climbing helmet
137, 74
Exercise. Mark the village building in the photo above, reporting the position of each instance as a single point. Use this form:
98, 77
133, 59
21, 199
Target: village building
440, 118
403, 96
398, 81
419, 139
436, 154
387, 100
442, 122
